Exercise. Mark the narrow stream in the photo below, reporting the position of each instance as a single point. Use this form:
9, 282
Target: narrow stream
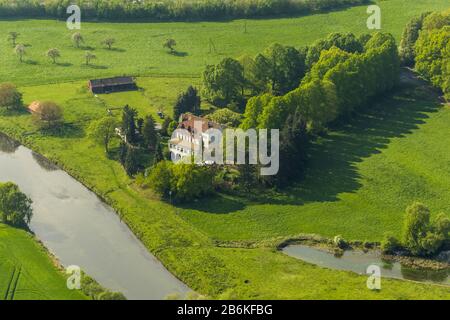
76, 226
358, 261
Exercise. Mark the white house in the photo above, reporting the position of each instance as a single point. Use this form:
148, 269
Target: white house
193, 135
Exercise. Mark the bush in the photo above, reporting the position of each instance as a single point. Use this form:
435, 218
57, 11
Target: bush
10, 97
390, 244
422, 237
340, 242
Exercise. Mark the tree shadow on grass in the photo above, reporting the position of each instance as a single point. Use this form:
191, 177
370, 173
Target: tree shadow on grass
94, 66
217, 204
333, 159
179, 53
116, 49
64, 130
64, 64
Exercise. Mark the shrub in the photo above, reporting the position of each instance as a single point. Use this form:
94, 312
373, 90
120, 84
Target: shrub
340, 242
390, 244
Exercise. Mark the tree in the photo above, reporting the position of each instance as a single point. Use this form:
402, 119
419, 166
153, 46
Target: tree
12, 37
172, 127
53, 54
293, 156
165, 126
89, 56
226, 117
129, 124
20, 51
49, 114
433, 56
224, 83
10, 97
77, 39
347, 42
190, 181
283, 68
103, 131
161, 177
131, 164
109, 42
15, 206
170, 44
415, 227
158, 155
149, 135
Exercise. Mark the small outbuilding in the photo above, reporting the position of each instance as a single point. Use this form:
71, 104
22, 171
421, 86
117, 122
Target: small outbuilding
34, 107
109, 85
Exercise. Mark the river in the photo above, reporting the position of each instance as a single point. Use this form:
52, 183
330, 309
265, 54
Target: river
79, 229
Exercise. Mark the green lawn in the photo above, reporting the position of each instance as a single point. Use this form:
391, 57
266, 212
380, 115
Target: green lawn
26, 271
139, 48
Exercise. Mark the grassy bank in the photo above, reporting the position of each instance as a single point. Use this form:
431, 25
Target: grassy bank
26, 271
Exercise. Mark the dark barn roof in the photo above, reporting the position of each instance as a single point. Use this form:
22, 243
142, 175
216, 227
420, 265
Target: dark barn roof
112, 84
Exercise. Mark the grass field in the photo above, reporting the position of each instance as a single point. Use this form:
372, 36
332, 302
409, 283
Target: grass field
360, 180
26, 271
139, 48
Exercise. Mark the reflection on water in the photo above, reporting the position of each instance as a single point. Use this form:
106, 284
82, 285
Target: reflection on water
358, 261
7, 145
81, 230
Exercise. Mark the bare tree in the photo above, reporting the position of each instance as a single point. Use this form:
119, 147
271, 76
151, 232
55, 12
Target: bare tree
109, 42
20, 51
12, 36
77, 38
89, 56
170, 44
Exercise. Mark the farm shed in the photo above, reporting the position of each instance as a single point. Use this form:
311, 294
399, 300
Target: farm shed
108, 85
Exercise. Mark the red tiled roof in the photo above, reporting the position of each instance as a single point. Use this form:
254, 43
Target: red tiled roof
191, 122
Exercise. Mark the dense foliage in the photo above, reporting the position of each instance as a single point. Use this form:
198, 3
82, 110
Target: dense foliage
10, 97
169, 9
421, 236
188, 101
181, 181
409, 38
337, 84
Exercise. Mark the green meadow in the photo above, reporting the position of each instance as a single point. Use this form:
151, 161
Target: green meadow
139, 49
360, 178
27, 273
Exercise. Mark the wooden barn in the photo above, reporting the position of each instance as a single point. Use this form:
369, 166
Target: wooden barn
109, 85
